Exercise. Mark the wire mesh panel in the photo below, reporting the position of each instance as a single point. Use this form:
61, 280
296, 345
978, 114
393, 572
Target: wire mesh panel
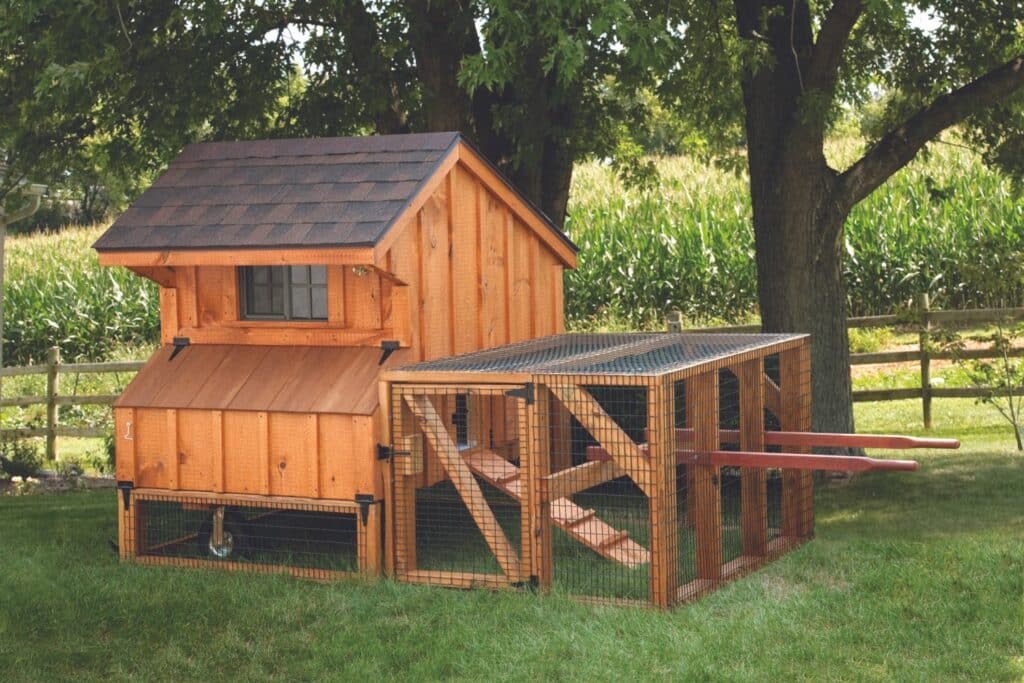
460, 493
306, 540
591, 457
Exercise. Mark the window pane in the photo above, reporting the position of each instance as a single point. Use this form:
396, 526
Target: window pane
319, 295
300, 274
259, 300
300, 302
260, 274
277, 300
318, 275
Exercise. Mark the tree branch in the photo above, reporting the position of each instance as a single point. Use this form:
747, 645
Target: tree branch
898, 147
833, 38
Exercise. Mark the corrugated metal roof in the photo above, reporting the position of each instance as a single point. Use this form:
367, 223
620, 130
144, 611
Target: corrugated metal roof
645, 354
282, 194
341, 380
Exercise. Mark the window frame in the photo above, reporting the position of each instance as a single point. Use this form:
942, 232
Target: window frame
246, 275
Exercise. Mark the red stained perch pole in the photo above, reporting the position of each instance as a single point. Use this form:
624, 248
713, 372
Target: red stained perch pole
827, 440
793, 461
802, 461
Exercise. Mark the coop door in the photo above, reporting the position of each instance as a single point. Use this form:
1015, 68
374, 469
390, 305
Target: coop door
459, 492
596, 522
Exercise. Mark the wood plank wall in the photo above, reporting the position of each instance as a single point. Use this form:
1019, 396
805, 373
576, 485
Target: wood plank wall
478, 276
280, 454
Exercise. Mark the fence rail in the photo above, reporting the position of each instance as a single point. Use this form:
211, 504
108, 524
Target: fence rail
925, 321
54, 400
923, 318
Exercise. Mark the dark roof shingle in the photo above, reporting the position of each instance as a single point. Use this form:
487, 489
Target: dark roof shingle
301, 193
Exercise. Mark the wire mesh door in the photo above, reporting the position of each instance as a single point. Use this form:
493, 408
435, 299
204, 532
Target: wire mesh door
589, 446
460, 494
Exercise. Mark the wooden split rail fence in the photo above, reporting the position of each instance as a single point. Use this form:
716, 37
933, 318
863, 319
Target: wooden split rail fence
54, 400
926, 321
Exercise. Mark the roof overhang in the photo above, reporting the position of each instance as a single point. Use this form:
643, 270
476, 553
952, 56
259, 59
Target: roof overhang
347, 256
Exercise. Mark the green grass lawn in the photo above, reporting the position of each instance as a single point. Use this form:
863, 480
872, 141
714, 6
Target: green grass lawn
912, 576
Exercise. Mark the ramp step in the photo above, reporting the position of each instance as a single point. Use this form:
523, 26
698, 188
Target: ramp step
581, 524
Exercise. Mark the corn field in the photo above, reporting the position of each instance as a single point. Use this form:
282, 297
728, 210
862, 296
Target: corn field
945, 225
55, 293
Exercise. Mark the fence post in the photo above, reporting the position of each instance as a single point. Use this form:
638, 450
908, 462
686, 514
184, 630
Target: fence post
923, 308
675, 321
52, 390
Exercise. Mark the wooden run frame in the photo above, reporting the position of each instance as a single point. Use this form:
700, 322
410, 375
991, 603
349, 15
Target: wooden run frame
415, 413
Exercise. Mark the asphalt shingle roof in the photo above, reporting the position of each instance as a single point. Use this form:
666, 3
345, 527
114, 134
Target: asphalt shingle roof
301, 193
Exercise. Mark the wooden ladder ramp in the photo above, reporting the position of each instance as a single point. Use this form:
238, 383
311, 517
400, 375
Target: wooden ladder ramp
581, 524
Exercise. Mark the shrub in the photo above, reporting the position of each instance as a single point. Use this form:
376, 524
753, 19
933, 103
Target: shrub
21, 458
70, 468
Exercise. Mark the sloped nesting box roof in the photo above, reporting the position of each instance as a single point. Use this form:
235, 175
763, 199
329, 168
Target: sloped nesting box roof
280, 194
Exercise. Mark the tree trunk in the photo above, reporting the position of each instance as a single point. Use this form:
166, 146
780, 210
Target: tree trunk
798, 220
801, 288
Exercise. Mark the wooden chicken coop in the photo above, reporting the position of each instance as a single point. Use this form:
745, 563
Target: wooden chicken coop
363, 368
291, 272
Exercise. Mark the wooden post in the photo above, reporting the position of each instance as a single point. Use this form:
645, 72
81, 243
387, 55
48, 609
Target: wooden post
675, 321
753, 480
369, 544
923, 308
706, 515
52, 409
538, 450
662, 500
797, 485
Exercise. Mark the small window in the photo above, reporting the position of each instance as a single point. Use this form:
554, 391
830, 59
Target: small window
283, 292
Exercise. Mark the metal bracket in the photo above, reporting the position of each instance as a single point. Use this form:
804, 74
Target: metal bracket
179, 344
384, 452
126, 490
365, 500
388, 347
525, 392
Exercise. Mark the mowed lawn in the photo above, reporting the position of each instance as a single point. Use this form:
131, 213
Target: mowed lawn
914, 576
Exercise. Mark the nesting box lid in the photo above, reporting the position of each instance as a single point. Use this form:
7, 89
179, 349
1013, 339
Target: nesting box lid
288, 379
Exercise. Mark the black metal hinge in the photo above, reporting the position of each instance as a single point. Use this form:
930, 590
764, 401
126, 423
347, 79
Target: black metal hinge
365, 500
126, 490
384, 452
179, 344
388, 347
525, 393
